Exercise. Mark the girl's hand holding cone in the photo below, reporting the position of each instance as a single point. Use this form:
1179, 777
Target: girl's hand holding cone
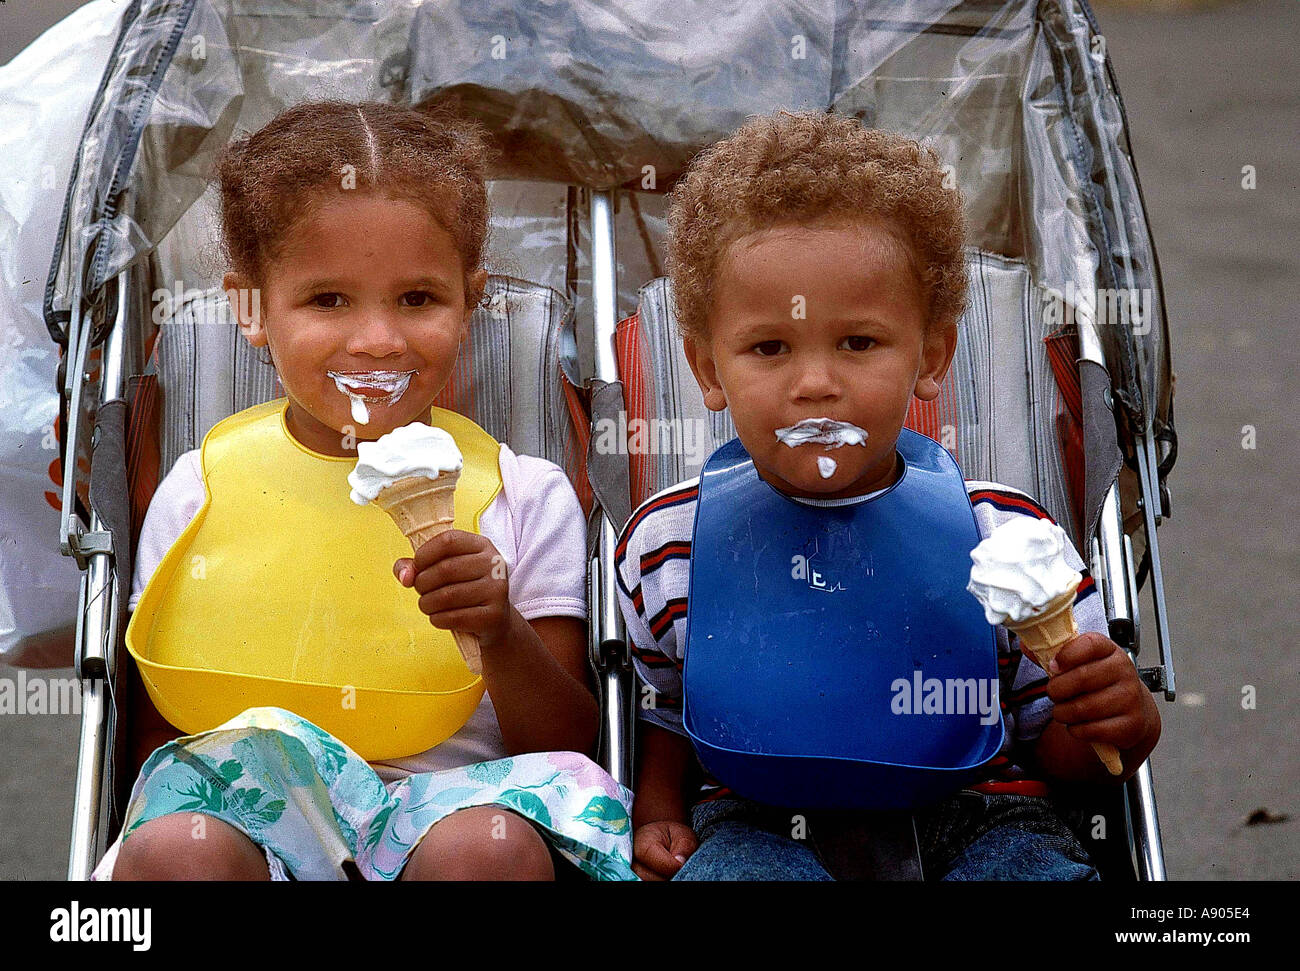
462, 582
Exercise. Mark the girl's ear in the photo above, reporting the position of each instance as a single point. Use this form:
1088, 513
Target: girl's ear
245, 304
699, 355
937, 349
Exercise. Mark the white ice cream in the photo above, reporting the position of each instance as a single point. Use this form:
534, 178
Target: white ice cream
822, 431
414, 449
826, 432
1020, 568
392, 382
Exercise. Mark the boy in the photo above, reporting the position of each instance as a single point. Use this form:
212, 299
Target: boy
817, 273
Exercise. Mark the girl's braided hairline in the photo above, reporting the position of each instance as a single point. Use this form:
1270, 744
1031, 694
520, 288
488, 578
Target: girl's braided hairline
273, 178
789, 168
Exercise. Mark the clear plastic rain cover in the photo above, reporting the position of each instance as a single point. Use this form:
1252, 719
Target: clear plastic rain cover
1015, 96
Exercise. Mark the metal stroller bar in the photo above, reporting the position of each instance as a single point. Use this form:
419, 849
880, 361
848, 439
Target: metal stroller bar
1145, 845
95, 713
608, 640
97, 613
1115, 555
1140, 800
1152, 508
1144, 823
1112, 548
71, 535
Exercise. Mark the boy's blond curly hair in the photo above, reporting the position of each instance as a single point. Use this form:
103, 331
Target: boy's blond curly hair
787, 169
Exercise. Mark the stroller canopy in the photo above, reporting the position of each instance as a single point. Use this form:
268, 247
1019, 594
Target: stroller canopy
1016, 96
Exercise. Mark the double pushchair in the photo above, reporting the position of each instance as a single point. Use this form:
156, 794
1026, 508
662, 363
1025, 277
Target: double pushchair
1060, 386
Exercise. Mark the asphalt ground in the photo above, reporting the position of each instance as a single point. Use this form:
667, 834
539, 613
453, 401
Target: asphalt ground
1209, 88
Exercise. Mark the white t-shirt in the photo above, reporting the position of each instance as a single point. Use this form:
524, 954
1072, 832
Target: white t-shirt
536, 524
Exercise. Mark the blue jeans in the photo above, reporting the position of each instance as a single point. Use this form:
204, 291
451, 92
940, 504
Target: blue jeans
969, 836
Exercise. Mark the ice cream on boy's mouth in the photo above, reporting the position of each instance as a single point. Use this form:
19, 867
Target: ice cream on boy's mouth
373, 387
822, 431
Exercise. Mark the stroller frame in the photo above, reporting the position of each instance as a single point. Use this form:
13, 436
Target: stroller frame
95, 543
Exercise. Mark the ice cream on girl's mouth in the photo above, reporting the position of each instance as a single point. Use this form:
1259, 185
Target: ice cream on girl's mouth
822, 431
370, 387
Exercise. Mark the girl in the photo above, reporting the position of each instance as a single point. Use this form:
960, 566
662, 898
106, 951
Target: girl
359, 231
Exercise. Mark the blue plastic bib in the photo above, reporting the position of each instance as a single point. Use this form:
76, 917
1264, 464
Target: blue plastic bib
834, 658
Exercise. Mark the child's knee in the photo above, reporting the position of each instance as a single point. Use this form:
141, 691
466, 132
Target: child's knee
734, 850
189, 846
482, 843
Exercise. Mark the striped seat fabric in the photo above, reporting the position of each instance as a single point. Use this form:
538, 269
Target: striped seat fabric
1007, 411
517, 375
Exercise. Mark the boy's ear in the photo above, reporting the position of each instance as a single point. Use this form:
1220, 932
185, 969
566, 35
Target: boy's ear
700, 357
475, 284
937, 349
244, 304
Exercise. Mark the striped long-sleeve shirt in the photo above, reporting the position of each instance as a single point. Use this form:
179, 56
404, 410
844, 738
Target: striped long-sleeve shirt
653, 559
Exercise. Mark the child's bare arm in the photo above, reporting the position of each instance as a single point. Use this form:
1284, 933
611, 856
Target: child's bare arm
1097, 697
665, 764
663, 837
536, 672
539, 683
149, 730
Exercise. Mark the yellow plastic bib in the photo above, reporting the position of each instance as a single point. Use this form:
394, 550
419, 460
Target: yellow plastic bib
281, 593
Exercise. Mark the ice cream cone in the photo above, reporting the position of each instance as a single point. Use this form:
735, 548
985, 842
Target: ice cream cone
1043, 635
423, 508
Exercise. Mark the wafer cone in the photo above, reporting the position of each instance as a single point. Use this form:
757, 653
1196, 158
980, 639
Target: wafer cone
1046, 633
422, 508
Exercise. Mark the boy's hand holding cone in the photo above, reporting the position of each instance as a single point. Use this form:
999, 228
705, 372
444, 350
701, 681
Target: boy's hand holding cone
1021, 578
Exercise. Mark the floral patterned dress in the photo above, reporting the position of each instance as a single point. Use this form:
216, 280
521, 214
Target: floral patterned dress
317, 808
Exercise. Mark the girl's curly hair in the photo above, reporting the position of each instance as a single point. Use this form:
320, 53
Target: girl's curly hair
788, 168
270, 180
